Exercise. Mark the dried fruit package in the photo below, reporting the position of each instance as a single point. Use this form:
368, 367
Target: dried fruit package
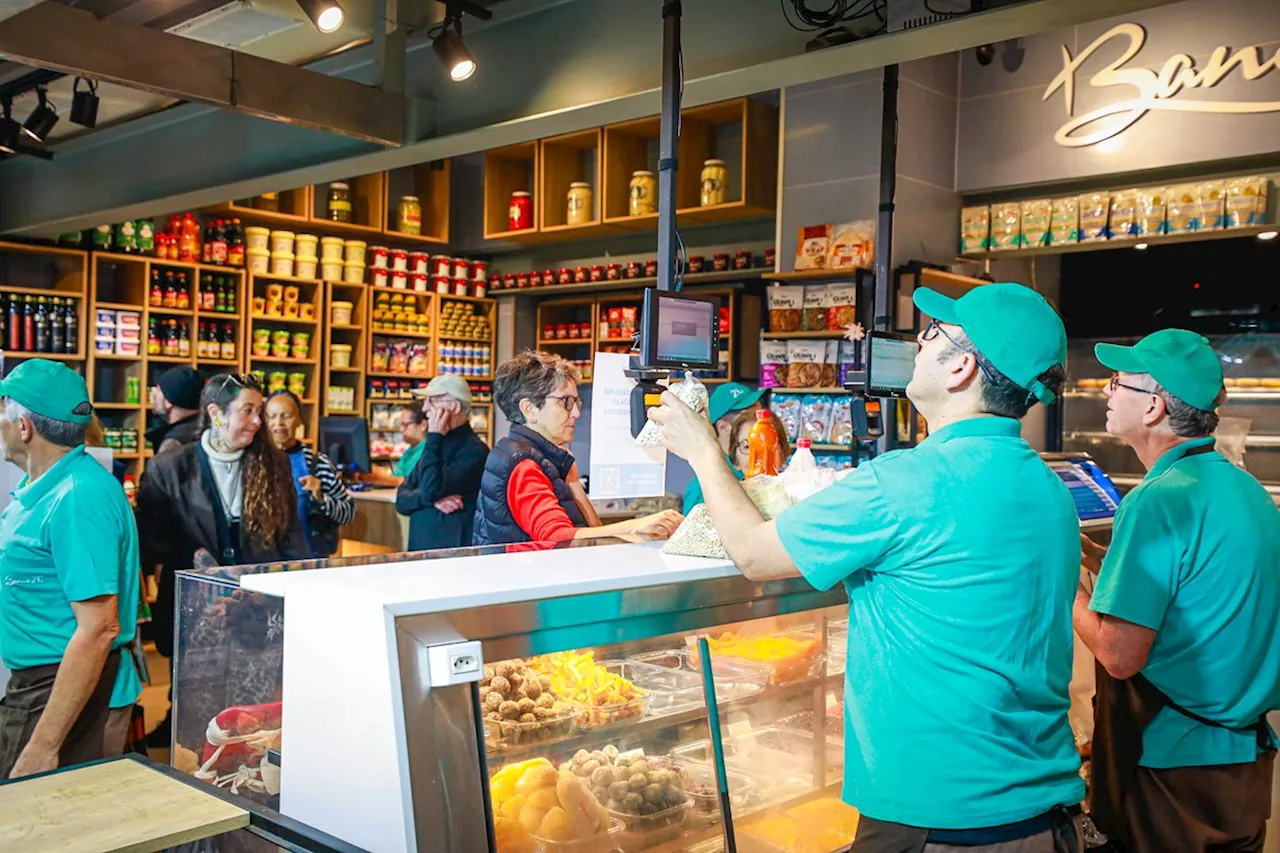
852, 245
804, 363
1006, 226
1184, 209
1095, 209
787, 408
842, 306
814, 318
815, 417
785, 308
975, 229
773, 364
1124, 214
812, 245
841, 423
1064, 221
1212, 205
691, 392
1243, 208
1152, 204
1036, 218
830, 365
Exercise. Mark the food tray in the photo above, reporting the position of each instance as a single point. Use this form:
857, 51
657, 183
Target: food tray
781, 671
608, 841
741, 673
597, 716
508, 733
802, 723
672, 689
700, 784
768, 754
640, 832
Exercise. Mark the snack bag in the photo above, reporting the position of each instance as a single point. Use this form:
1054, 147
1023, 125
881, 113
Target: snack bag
812, 245
830, 365
852, 245
804, 363
1095, 209
841, 431
814, 316
975, 229
815, 417
1213, 196
1151, 211
1242, 202
1183, 209
841, 306
697, 537
787, 409
1124, 214
691, 392
785, 308
1064, 221
846, 359
773, 364
1036, 216
1006, 226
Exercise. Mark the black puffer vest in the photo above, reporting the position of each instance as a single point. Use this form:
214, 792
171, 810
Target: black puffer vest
495, 524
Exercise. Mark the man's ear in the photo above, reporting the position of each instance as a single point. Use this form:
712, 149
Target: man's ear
1156, 410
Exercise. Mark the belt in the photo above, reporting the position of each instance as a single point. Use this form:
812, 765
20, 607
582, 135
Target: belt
1004, 833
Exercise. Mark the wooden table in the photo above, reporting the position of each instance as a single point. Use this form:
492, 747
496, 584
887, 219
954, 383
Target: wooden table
121, 806
376, 521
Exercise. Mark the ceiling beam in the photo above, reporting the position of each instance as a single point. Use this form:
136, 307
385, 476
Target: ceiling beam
9, 8
62, 38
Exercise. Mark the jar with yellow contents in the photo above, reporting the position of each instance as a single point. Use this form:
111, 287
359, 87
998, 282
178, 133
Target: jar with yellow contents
644, 194
579, 209
715, 180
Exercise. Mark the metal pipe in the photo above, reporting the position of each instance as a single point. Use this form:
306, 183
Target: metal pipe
669, 138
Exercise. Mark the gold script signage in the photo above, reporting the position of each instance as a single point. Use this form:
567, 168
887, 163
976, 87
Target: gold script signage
1164, 90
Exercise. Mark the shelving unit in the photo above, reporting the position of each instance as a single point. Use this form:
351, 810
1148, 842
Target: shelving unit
46, 272
352, 334
444, 337
564, 160
310, 292
514, 168
691, 280
430, 183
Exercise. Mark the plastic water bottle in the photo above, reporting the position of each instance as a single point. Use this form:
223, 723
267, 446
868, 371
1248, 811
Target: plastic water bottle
802, 461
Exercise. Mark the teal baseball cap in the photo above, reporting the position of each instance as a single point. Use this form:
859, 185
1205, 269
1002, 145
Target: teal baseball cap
732, 397
1182, 362
49, 388
1013, 326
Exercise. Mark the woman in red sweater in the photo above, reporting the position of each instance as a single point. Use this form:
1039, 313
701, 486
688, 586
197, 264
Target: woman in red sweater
531, 491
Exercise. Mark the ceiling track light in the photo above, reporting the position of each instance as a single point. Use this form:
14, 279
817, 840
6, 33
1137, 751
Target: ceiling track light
42, 118
446, 39
84, 104
327, 15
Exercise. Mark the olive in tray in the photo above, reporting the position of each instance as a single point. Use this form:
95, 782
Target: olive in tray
645, 793
520, 706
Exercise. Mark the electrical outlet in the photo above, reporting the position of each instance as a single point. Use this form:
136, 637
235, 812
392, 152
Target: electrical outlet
455, 663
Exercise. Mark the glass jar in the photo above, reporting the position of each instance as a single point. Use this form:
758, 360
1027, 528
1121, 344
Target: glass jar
644, 194
580, 209
268, 201
339, 208
715, 179
409, 220
520, 213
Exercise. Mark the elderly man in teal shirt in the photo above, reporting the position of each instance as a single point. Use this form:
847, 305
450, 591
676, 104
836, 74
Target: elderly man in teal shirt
960, 558
69, 577
1184, 619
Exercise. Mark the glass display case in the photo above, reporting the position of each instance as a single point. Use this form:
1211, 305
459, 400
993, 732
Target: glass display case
1249, 433
585, 728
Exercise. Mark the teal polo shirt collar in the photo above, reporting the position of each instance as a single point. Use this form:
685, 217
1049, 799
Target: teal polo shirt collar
1173, 454
970, 427
29, 494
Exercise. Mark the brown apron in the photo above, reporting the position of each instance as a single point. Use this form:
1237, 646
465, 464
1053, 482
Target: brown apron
1184, 809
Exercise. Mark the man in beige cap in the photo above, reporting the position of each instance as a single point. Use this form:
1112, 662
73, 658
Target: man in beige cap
439, 494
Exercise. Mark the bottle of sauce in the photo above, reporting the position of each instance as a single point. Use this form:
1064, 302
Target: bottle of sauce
763, 448
206, 253
44, 342
184, 340
153, 338
202, 339
157, 292
14, 342
235, 244
184, 292
29, 324
189, 239
5, 302
171, 337
218, 253
220, 301
170, 291
72, 336
57, 327
228, 344
206, 292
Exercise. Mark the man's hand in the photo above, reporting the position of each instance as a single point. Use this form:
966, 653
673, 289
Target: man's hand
686, 433
437, 420
34, 759
660, 525
1091, 554
311, 485
449, 505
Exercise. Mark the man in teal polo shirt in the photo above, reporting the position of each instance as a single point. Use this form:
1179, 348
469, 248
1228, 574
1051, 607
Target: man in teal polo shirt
69, 577
960, 558
1185, 617
723, 405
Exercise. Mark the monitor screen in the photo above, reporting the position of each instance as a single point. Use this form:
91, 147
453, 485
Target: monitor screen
680, 330
891, 363
1092, 491
345, 440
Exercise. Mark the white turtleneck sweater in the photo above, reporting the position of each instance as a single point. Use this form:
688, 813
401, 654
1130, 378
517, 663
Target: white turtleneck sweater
226, 476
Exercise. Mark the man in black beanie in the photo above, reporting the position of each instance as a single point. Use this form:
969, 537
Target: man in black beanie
176, 399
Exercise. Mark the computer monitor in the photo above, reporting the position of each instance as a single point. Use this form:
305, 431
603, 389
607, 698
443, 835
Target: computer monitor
891, 360
345, 440
679, 330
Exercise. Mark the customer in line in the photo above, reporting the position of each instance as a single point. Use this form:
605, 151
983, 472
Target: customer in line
960, 558
324, 504
726, 404
1185, 617
227, 498
439, 494
413, 429
740, 444
526, 493
175, 399
69, 581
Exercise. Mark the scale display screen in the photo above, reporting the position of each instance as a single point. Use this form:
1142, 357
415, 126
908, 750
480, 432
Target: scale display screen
1095, 496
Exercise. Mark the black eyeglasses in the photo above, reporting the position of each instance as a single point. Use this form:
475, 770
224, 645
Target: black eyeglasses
1116, 383
934, 328
568, 402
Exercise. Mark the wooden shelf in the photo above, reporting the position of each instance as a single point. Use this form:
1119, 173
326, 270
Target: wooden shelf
832, 390
786, 336
690, 280
111, 356
353, 369
40, 291
38, 249
346, 327
289, 321
368, 208
121, 306
424, 336
235, 362
430, 183
507, 170
287, 279
172, 312
386, 375
464, 340
815, 276
271, 359
481, 300
118, 407
564, 160
566, 342
1125, 243
52, 356
167, 359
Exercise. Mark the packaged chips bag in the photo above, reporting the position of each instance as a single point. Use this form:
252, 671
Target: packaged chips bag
1064, 221
1006, 226
1095, 211
975, 229
787, 409
1183, 209
1124, 214
1036, 218
691, 392
1151, 211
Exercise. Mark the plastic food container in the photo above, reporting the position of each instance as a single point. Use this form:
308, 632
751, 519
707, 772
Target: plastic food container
340, 313
257, 237
769, 754
104, 345
640, 832
674, 689
128, 319
126, 347
605, 842
513, 733
700, 784
258, 261
742, 674
106, 318
128, 333
306, 311
331, 270
353, 273
282, 242
355, 252
282, 263
305, 268
399, 260
595, 716
782, 670
340, 355
331, 249
305, 246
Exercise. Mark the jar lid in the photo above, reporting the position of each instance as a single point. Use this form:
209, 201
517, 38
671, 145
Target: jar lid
642, 173
519, 194
338, 185
713, 163
580, 184
408, 198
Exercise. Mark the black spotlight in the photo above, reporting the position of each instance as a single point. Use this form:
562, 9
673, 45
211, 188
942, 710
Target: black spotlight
9, 130
327, 15
453, 53
42, 118
84, 104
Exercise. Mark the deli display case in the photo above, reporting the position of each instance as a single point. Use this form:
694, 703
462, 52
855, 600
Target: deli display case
521, 699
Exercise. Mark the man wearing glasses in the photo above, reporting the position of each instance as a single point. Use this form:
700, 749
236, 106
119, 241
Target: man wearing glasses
439, 494
960, 558
1185, 617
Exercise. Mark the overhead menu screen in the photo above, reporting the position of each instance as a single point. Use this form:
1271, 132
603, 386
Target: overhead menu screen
1092, 491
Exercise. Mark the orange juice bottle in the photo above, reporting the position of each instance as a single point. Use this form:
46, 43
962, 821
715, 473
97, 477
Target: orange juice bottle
763, 448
